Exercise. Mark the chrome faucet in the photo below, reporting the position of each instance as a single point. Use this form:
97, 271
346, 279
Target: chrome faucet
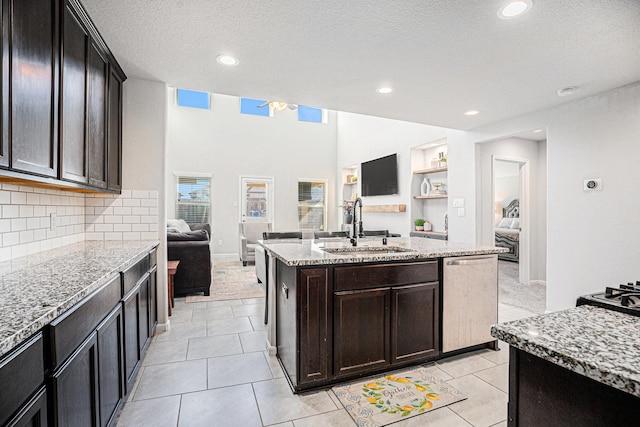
357, 221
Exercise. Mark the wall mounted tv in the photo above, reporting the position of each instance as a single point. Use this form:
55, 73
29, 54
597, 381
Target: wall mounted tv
379, 177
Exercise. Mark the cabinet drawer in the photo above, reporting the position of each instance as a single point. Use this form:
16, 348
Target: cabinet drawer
70, 330
374, 276
21, 373
133, 274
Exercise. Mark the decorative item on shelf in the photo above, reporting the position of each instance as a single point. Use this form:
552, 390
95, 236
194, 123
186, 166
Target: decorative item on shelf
354, 196
442, 160
349, 178
425, 187
354, 178
446, 222
419, 224
347, 208
438, 191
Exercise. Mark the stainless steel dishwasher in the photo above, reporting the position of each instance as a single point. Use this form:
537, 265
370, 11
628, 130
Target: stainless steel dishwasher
469, 300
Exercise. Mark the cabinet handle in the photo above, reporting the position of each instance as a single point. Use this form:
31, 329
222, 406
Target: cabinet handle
470, 261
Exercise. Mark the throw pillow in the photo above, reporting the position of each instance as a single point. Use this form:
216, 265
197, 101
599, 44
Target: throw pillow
515, 223
505, 223
179, 224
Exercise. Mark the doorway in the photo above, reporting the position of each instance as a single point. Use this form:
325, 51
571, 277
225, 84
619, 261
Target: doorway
256, 195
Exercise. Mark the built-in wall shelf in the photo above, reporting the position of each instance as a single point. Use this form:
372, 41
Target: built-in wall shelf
438, 235
384, 208
350, 183
440, 196
430, 170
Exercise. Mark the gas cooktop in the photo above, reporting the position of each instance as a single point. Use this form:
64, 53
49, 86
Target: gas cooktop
625, 298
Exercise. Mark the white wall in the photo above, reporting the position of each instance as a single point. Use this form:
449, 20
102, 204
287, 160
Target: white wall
591, 237
227, 144
362, 138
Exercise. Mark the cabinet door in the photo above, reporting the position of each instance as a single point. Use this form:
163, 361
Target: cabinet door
34, 413
114, 136
132, 339
75, 387
4, 86
314, 311
73, 141
153, 307
414, 322
34, 86
143, 321
111, 365
361, 331
96, 117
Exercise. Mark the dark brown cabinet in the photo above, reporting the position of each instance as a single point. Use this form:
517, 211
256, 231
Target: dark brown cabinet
132, 339
111, 365
414, 322
361, 331
33, 35
75, 387
62, 98
34, 413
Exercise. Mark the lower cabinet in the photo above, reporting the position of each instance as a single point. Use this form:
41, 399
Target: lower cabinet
75, 387
111, 365
132, 339
34, 413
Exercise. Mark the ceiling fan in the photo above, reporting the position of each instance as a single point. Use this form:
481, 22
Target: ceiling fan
278, 105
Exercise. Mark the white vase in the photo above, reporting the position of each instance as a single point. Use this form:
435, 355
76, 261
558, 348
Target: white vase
425, 187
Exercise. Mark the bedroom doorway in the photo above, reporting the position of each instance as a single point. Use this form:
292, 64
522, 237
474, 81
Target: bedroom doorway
510, 195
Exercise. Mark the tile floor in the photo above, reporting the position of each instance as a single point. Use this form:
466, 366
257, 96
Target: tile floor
211, 369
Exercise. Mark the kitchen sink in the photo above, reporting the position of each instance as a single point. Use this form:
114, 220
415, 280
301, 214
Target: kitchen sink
366, 250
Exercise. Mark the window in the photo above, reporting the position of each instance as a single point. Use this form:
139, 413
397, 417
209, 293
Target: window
252, 106
312, 207
310, 114
193, 203
193, 99
257, 199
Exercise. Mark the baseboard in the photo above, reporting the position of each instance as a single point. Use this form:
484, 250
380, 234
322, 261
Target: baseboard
163, 327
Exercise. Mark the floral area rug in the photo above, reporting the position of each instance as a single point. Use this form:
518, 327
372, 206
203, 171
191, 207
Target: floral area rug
384, 400
232, 281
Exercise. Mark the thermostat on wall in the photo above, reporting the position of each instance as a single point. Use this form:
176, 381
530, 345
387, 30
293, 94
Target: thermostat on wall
594, 184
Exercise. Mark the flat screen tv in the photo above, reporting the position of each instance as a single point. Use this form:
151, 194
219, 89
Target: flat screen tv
379, 177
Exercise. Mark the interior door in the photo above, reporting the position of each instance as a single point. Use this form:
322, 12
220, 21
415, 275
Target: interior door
256, 195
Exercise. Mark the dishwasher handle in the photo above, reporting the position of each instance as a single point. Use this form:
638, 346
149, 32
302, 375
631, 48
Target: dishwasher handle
474, 261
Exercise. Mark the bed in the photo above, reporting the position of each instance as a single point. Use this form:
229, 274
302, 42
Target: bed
508, 232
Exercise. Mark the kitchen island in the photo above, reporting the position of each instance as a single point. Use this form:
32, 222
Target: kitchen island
337, 312
573, 367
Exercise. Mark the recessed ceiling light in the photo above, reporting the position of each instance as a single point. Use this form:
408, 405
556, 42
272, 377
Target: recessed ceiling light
471, 113
384, 89
227, 60
514, 9
566, 91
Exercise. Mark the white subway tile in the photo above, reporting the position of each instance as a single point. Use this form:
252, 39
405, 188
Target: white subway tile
94, 202
33, 199
45, 222
125, 194
90, 227
45, 199
89, 210
25, 189
39, 234
149, 219
94, 219
122, 211
149, 202
103, 227
115, 202
122, 227
131, 236
140, 227
149, 235
140, 211
5, 225
69, 229
131, 219
33, 248
10, 211
78, 229
5, 254
18, 224
153, 194
101, 210
18, 198
5, 197
153, 227
10, 239
112, 236
33, 223
153, 211
140, 194
51, 209
26, 211
94, 236
51, 233
45, 245
39, 211
39, 190
10, 187
130, 202
18, 251
113, 219
26, 236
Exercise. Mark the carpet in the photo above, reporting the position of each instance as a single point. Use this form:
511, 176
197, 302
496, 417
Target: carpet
232, 281
383, 400
531, 297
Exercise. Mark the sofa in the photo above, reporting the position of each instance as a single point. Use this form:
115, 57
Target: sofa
189, 244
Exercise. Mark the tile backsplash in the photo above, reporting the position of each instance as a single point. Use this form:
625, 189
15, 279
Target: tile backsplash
37, 219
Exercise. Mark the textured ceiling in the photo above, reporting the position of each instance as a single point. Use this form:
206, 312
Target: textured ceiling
442, 57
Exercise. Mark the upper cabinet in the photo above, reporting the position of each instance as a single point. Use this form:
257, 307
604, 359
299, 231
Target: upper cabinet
61, 87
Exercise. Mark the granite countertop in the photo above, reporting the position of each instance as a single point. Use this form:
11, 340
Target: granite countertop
600, 344
36, 289
314, 252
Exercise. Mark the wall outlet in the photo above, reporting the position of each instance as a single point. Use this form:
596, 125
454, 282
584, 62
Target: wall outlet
593, 184
52, 222
460, 211
219, 242
458, 203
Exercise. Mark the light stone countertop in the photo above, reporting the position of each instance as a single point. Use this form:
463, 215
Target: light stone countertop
35, 289
600, 344
369, 249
